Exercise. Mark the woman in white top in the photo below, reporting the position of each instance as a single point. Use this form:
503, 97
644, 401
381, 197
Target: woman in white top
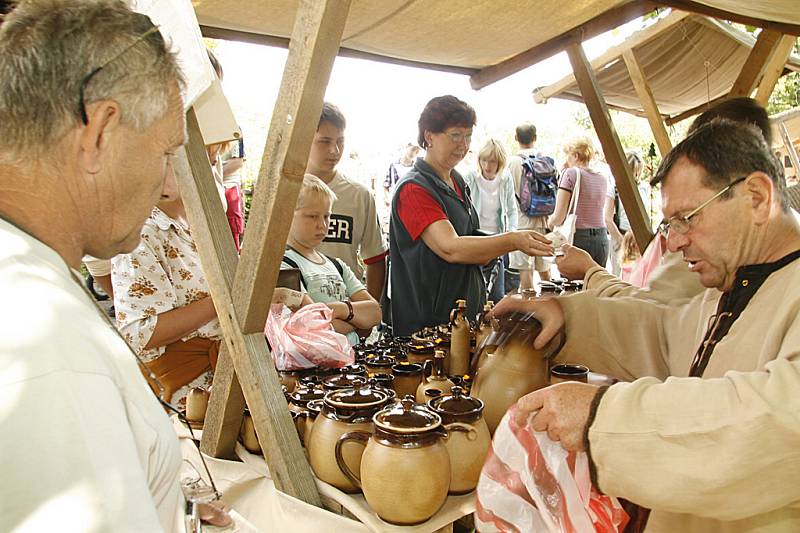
491, 189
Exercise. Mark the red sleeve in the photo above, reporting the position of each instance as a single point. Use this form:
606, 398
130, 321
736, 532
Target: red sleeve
378, 258
417, 209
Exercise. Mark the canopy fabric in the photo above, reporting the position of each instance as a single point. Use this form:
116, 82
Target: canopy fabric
690, 63
462, 33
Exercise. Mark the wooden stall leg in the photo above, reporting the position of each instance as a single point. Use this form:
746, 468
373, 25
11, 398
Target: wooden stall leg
648, 102
774, 69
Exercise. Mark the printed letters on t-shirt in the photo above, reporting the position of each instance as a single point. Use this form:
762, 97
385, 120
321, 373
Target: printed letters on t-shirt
340, 229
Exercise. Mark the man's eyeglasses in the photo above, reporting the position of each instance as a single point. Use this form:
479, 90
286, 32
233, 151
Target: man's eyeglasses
85, 82
458, 138
682, 224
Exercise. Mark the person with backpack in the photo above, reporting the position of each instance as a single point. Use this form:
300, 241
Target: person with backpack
326, 279
491, 190
535, 181
591, 186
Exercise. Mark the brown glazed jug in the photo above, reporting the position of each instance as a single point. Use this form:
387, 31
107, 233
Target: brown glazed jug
342, 411
459, 340
468, 437
436, 380
405, 470
515, 368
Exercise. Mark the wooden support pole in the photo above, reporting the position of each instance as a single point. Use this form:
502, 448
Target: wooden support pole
315, 41
276, 430
648, 102
612, 148
787, 142
753, 66
774, 69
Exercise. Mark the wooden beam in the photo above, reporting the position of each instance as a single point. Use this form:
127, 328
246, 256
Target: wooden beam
787, 142
696, 110
774, 68
612, 148
262, 390
294, 121
783, 116
703, 9
648, 102
577, 98
282, 42
600, 24
614, 53
754, 65
225, 410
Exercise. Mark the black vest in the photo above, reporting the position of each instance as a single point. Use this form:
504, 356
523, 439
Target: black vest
425, 287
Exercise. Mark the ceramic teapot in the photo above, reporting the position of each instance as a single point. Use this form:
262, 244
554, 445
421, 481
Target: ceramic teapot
436, 380
405, 470
469, 439
342, 411
515, 368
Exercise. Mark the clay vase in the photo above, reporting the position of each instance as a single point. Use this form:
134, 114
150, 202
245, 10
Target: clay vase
196, 406
405, 470
468, 437
516, 367
436, 380
460, 339
343, 411
407, 377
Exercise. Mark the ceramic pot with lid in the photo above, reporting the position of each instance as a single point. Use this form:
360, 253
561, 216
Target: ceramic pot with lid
405, 470
379, 364
342, 411
515, 368
419, 352
436, 380
469, 438
343, 381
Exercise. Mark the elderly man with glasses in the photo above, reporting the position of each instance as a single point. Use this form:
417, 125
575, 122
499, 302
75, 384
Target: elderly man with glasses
90, 115
706, 432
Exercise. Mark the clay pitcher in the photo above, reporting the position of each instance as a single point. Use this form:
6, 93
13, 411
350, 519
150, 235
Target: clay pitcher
405, 470
516, 367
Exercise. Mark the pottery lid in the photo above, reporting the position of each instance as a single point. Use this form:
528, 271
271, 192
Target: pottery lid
406, 368
457, 405
406, 417
379, 360
304, 395
358, 397
343, 381
315, 406
355, 368
421, 347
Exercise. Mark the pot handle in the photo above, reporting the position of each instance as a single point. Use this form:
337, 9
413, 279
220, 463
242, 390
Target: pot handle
470, 430
362, 436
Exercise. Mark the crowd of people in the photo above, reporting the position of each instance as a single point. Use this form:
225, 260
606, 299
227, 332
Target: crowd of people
703, 431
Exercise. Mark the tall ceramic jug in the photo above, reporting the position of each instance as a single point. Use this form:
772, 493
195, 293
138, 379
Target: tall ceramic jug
436, 380
515, 368
459, 340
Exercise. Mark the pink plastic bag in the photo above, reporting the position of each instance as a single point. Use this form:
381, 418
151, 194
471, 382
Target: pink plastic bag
305, 338
530, 483
650, 259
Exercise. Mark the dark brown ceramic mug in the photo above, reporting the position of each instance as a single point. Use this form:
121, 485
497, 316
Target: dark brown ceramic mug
568, 372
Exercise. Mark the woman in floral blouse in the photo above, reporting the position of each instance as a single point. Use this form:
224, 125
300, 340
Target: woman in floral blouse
162, 300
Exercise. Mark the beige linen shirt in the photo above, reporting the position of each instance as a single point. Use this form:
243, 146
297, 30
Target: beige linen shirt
161, 274
83, 442
716, 454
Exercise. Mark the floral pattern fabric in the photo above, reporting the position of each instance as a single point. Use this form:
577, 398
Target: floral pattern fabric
161, 274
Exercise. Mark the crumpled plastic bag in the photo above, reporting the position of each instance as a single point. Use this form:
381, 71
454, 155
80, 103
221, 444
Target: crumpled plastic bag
530, 483
306, 338
646, 264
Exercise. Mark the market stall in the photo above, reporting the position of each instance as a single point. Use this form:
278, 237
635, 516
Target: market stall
314, 32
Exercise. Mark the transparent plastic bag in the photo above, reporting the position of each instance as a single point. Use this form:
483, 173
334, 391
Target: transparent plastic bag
530, 483
306, 338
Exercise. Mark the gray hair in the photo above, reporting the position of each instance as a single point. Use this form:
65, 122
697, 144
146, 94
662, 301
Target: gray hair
47, 50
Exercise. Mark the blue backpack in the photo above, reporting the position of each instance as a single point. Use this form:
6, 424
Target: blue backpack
538, 186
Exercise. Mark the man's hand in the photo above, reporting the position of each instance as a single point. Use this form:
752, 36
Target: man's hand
546, 310
532, 243
574, 263
563, 412
215, 513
